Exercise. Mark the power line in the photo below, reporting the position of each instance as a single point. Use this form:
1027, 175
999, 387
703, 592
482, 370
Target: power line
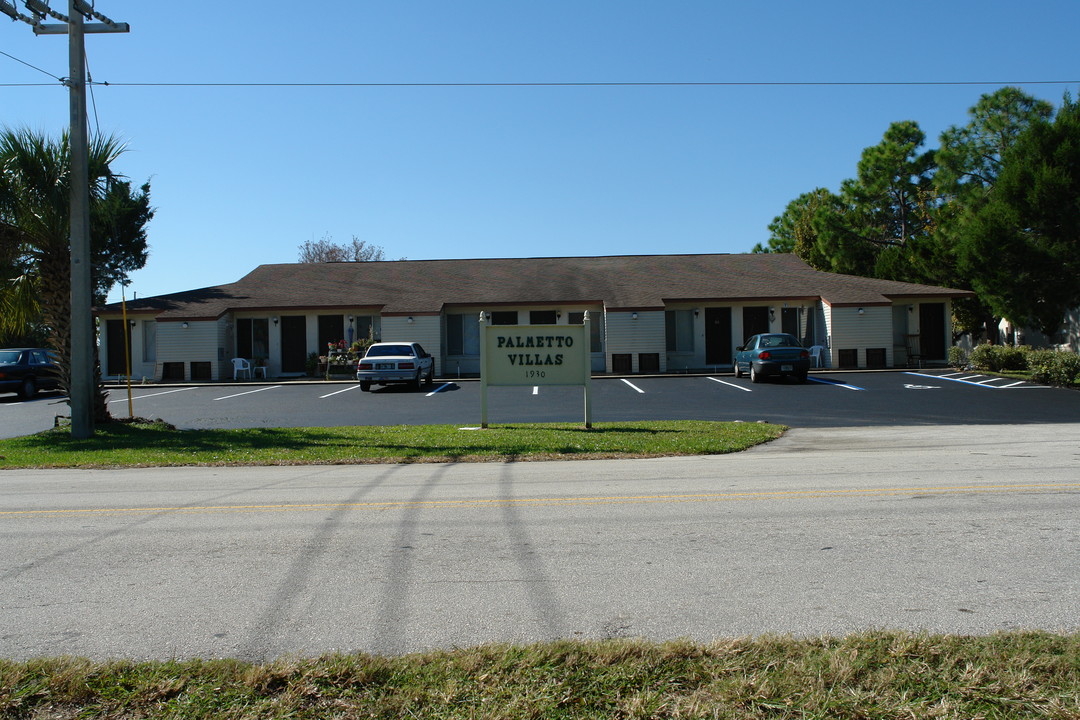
90, 87
782, 83
35, 67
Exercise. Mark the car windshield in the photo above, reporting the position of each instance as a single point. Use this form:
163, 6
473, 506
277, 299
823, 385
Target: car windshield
387, 350
9, 357
779, 341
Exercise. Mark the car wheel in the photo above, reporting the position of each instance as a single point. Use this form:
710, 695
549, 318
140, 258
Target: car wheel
801, 377
430, 379
28, 389
755, 376
416, 382
738, 372
365, 386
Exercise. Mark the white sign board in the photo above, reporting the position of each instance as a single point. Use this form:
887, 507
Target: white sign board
534, 355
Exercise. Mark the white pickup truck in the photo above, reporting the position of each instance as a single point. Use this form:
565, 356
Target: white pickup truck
395, 362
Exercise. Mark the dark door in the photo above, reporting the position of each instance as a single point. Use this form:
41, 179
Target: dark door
718, 336
789, 321
755, 320
932, 330
119, 352
293, 343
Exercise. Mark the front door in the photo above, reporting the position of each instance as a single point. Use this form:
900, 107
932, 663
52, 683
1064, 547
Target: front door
755, 320
718, 336
932, 330
119, 352
293, 343
789, 321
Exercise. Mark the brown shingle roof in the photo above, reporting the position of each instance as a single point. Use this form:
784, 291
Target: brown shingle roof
627, 281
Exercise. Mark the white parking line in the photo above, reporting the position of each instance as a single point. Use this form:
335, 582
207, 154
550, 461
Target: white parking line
835, 383
970, 380
249, 392
737, 387
633, 386
441, 387
338, 392
140, 397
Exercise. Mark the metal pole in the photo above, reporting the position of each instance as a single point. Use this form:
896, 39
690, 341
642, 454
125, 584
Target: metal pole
127, 349
483, 372
81, 392
585, 323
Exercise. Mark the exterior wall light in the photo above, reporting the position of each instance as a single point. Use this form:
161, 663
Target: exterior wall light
183, 325
410, 319
911, 308
772, 314
274, 321
131, 323
861, 311
633, 316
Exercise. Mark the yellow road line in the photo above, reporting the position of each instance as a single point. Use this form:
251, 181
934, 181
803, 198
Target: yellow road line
554, 501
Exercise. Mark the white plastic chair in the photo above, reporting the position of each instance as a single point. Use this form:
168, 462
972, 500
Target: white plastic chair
816, 355
260, 369
239, 367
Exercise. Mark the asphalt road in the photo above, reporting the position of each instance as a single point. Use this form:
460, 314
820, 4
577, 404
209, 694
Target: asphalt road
962, 529
829, 400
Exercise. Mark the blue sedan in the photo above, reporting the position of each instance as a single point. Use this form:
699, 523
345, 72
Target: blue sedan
772, 354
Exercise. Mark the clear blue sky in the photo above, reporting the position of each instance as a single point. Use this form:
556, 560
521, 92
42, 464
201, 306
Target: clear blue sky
243, 175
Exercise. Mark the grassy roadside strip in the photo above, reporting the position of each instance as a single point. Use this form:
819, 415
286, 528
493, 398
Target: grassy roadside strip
157, 444
868, 675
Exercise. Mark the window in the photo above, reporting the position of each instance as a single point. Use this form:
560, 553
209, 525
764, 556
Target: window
253, 338
595, 329
462, 334
331, 330
679, 328
542, 317
363, 330
504, 317
149, 341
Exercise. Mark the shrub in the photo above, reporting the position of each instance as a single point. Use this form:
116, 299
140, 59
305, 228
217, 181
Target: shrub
1053, 367
995, 358
958, 357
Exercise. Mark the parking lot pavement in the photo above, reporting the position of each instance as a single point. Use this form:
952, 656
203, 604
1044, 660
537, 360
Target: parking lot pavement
927, 397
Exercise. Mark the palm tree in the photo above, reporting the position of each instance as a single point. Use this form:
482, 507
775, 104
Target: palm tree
34, 234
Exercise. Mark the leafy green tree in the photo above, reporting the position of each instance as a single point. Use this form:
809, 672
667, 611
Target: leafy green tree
970, 157
873, 226
969, 161
34, 235
1022, 244
794, 232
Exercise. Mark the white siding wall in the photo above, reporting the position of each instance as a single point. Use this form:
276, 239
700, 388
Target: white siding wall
199, 342
643, 335
872, 329
424, 329
827, 340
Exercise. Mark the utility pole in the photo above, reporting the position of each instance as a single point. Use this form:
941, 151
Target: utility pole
81, 390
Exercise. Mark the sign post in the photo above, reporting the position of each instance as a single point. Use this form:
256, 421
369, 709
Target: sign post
533, 355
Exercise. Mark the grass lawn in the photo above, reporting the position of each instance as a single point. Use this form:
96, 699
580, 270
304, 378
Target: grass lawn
869, 675
154, 444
